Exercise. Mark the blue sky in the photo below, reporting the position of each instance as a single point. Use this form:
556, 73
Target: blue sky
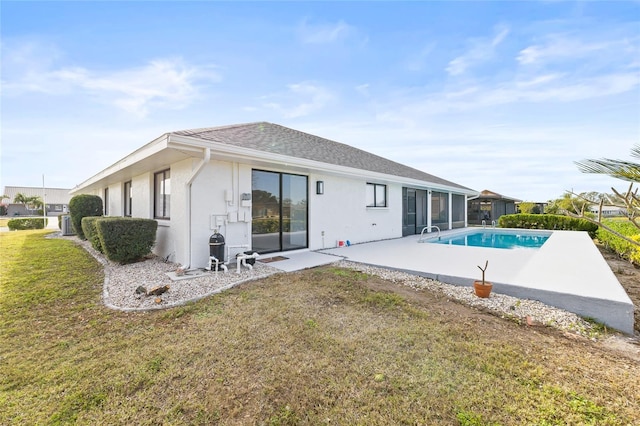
491, 95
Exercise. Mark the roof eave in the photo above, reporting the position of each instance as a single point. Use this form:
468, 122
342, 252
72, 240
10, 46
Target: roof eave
236, 153
140, 154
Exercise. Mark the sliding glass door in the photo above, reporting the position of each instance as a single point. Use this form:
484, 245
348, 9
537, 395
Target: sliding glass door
279, 211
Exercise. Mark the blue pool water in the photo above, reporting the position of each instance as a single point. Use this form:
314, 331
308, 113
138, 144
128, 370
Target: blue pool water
496, 239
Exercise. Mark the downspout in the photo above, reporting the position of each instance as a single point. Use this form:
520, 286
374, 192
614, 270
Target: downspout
205, 160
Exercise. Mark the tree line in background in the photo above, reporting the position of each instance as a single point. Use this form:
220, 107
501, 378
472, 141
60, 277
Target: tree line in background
579, 205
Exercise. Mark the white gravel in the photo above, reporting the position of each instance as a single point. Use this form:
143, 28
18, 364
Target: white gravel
121, 282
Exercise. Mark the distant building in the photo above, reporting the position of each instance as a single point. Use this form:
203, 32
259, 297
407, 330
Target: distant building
541, 207
609, 211
56, 200
489, 206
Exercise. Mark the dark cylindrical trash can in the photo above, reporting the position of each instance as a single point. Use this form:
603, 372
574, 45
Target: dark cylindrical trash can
216, 246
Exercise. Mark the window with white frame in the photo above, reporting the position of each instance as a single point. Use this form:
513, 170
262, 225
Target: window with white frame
127, 198
376, 195
106, 201
162, 194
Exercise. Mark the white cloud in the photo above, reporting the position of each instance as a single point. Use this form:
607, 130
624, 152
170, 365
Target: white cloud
363, 89
558, 47
162, 83
324, 33
418, 61
301, 99
547, 88
481, 50
596, 49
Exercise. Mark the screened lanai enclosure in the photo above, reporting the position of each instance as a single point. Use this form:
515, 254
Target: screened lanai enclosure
489, 206
421, 208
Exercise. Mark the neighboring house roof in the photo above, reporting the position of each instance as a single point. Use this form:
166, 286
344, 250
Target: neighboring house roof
490, 195
276, 139
52, 195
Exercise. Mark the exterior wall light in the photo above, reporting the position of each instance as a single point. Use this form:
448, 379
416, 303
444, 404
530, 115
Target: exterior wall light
319, 187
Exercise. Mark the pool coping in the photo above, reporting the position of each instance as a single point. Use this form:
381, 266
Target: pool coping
567, 272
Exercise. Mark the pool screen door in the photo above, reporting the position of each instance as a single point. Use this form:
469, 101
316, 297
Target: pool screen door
279, 211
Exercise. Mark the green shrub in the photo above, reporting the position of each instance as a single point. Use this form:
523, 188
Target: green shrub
90, 231
27, 223
126, 239
83, 205
623, 248
271, 225
547, 221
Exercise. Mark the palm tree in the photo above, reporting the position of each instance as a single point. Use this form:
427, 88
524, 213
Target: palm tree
30, 203
619, 169
20, 198
35, 202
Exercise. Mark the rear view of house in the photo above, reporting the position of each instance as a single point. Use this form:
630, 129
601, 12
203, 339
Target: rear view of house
270, 188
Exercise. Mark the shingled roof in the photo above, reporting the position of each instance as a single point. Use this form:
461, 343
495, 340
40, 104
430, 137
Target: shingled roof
276, 139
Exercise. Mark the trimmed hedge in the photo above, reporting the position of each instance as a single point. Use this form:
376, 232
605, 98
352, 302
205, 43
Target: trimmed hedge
270, 225
26, 223
91, 232
83, 205
126, 239
623, 248
547, 221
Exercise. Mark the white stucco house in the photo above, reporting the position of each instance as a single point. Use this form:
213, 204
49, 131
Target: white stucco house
270, 189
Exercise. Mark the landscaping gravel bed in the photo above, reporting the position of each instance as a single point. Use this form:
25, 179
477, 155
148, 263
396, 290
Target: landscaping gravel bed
121, 282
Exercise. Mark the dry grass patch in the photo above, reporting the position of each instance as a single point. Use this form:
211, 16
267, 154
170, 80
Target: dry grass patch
322, 346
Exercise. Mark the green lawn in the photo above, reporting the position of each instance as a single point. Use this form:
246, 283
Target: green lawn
323, 346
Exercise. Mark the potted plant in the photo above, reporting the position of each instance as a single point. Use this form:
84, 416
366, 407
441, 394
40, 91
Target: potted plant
483, 288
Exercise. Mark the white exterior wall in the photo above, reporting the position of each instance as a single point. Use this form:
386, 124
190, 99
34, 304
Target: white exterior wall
341, 213
213, 201
215, 204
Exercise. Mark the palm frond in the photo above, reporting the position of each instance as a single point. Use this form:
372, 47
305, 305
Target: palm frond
620, 169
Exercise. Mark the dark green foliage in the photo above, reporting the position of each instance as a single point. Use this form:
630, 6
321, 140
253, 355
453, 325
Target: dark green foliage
90, 232
126, 239
29, 223
624, 248
269, 225
83, 205
547, 221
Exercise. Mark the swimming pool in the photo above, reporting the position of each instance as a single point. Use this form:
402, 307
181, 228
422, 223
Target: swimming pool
494, 238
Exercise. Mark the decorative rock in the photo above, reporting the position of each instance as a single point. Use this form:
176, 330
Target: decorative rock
141, 290
158, 300
158, 290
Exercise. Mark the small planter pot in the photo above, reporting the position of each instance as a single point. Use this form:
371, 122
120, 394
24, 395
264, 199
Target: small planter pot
482, 290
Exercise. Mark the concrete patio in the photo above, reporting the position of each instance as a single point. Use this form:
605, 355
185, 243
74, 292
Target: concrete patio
567, 272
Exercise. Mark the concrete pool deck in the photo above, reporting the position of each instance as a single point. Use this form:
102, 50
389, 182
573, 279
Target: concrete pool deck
567, 272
